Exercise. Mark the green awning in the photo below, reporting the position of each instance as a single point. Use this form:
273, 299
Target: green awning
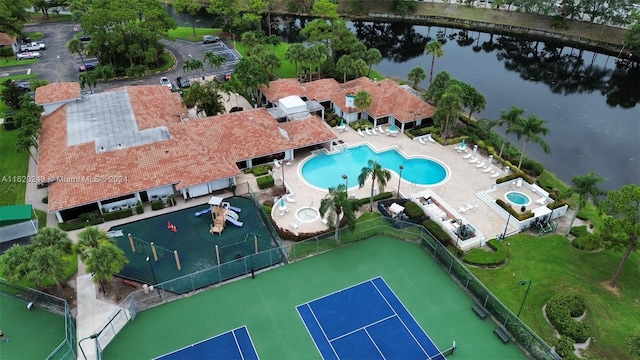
13, 214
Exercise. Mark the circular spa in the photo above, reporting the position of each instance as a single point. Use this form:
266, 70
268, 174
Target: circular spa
518, 198
328, 170
307, 214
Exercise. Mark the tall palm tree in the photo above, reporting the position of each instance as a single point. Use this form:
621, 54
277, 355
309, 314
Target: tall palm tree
215, 61
295, 54
378, 175
362, 101
104, 261
15, 262
449, 108
336, 204
531, 128
47, 263
192, 65
75, 46
416, 75
509, 118
344, 65
320, 53
359, 68
435, 49
586, 187
372, 56
89, 239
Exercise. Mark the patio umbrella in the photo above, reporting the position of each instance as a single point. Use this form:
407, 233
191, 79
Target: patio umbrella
342, 122
282, 205
393, 127
463, 144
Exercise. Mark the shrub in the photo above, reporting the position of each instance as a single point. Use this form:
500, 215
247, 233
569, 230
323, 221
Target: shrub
78, 224
435, 230
413, 210
564, 348
561, 309
139, 208
526, 215
265, 182
531, 167
487, 258
333, 122
381, 196
157, 205
588, 242
120, 214
578, 231
261, 170
45, 200
267, 208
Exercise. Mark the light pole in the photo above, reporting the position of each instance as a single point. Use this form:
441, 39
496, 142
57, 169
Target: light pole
153, 273
283, 185
346, 182
523, 283
400, 179
504, 233
92, 336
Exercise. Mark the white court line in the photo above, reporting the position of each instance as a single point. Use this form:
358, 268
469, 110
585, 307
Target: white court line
338, 291
374, 344
235, 339
309, 331
252, 344
363, 328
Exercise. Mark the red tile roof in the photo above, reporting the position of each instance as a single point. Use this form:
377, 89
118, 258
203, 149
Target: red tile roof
199, 151
57, 92
388, 98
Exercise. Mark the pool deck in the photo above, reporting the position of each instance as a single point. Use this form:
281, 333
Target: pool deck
464, 181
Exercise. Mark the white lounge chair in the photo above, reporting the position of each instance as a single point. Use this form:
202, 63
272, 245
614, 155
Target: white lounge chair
276, 163
495, 174
368, 131
487, 169
421, 141
480, 165
519, 182
462, 210
468, 156
473, 160
360, 132
374, 131
430, 138
380, 129
541, 201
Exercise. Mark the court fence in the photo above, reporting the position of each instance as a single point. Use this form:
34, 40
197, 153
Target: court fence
526, 338
66, 350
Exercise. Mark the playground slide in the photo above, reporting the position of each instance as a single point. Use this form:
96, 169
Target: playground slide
234, 221
202, 212
236, 209
233, 214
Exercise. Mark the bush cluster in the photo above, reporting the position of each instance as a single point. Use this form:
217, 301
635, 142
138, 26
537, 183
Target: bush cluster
561, 309
120, 214
564, 348
157, 205
139, 208
261, 170
439, 233
482, 257
584, 239
525, 215
381, 196
79, 224
413, 210
265, 182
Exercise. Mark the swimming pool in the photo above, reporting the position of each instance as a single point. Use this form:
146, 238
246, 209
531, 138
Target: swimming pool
325, 171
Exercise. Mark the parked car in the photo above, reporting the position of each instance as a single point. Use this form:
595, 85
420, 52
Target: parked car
183, 82
207, 39
33, 46
166, 82
28, 55
87, 67
24, 85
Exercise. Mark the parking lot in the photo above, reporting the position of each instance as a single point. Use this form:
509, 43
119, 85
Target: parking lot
57, 64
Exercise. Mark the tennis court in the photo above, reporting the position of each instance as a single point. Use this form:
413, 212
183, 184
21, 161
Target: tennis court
194, 244
235, 344
267, 305
366, 321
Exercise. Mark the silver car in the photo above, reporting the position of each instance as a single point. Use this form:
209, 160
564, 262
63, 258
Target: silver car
28, 55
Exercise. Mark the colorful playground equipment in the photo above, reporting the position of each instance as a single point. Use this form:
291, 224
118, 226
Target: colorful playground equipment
171, 227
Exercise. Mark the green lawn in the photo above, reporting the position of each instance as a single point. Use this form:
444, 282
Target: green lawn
556, 267
186, 33
13, 164
11, 61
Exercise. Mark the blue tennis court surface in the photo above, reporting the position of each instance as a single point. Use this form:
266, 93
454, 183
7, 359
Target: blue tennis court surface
235, 344
366, 321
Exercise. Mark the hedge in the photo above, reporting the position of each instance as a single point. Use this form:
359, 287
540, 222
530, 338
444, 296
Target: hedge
561, 309
265, 182
381, 196
139, 208
78, 224
413, 210
487, 258
261, 170
157, 205
565, 348
526, 215
588, 242
120, 214
438, 232
578, 231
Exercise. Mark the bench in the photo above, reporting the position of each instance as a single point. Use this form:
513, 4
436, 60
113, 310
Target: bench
502, 334
130, 283
479, 310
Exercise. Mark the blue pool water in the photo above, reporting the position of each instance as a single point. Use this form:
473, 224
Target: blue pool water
518, 198
325, 171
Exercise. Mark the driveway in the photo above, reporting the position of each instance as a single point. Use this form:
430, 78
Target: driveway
57, 64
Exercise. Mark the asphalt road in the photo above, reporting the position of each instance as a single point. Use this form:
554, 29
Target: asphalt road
57, 64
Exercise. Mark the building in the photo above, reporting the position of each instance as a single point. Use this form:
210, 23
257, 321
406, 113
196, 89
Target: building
135, 144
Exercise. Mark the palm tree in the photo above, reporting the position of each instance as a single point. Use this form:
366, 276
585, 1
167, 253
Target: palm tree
52, 237
344, 65
15, 262
337, 203
436, 49
319, 53
362, 101
192, 65
270, 61
215, 61
585, 186
295, 54
47, 263
372, 56
449, 108
104, 261
75, 46
89, 239
416, 75
531, 128
378, 175
359, 68
509, 118
88, 79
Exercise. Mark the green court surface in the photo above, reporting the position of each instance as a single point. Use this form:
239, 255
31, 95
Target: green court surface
267, 306
33, 334
193, 242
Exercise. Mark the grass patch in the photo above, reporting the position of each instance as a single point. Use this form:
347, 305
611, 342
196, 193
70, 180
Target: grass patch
186, 33
42, 218
11, 61
549, 181
168, 60
13, 164
554, 267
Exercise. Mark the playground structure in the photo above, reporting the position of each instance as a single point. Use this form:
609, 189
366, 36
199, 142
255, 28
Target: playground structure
221, 212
